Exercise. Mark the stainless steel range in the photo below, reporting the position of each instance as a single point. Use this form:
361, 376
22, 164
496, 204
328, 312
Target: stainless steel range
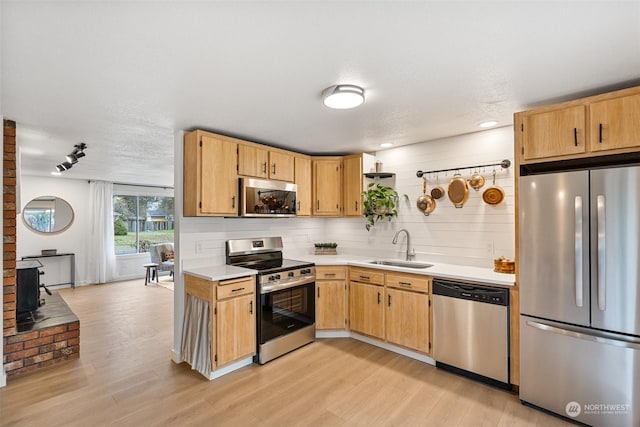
286, 294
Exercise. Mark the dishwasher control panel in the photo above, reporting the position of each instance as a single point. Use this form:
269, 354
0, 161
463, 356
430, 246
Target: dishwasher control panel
489, 295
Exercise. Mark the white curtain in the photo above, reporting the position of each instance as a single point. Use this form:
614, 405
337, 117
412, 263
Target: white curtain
102, 258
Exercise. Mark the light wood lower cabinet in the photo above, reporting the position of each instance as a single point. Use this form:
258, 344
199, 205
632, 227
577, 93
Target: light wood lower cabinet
407, 319
391, 306
236, 328
366, 309
232, 325
331, 298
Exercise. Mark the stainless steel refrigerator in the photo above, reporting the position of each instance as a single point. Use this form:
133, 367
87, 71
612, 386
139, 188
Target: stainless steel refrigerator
579, 260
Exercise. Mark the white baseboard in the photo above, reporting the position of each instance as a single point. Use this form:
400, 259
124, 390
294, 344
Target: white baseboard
394, 348
176, 357
229, 368
3, 378
333, 334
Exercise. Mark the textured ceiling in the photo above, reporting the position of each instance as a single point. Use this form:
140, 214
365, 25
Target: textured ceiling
124, 76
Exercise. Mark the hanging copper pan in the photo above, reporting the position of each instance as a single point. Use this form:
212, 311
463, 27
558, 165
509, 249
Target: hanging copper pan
458, 191
493, 195
425, 202
476, 181
437, 191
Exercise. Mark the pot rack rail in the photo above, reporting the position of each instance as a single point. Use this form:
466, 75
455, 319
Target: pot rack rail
503, 164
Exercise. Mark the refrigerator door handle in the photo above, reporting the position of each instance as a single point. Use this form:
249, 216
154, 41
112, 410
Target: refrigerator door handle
591, 335
602, 253
578, 250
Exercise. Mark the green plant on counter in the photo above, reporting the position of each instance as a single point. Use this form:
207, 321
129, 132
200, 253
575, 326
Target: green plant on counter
380, 203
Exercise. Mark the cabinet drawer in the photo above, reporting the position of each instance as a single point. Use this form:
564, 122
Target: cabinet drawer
235, 287
331, 273
408, 282
366, 275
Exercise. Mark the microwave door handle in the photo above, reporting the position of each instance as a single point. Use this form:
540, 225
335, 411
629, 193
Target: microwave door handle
602, 252
578, 251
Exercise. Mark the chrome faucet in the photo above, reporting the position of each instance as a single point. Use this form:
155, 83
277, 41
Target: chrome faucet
410, 252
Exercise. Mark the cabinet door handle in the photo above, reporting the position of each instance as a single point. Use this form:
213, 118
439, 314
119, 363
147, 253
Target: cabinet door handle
318, 292
364, 277
250, 307
264, 168
318, 204
274, 168
237, 290
575, 136
404, 283
233, 202
329, 274
298, 204
378, 297
356, 206
600, 134
389, 300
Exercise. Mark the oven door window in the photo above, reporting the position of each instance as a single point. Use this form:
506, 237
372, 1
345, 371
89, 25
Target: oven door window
286, 311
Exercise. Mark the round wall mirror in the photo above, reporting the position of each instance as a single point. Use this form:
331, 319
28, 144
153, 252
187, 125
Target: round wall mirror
47, 214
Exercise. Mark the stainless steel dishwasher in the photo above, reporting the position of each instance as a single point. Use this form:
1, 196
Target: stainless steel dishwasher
471, 330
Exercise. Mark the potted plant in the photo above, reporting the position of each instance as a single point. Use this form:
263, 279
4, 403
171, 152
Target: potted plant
380, 202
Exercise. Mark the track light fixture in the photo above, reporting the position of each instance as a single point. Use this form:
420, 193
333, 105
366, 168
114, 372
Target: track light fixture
72, 159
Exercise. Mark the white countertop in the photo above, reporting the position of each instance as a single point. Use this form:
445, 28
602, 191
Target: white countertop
441, 270
220, 272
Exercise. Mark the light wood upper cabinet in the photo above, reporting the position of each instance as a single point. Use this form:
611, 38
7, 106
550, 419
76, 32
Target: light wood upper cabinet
554, 133
281, 166
615, 123
352, 185
407, 319
327, 186
253, 161
589, 127
303, 182
210, 176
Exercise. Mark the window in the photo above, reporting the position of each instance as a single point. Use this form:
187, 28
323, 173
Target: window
141, 221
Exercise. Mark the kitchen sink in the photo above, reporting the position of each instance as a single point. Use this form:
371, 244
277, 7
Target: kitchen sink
406, 264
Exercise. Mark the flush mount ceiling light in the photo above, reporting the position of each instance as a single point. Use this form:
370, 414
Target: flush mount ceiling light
488, 124
386, 145
342, 97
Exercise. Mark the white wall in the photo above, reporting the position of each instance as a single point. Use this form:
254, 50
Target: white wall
472, 235
76, 193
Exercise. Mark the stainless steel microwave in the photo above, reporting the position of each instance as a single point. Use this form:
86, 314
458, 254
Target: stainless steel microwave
266, 198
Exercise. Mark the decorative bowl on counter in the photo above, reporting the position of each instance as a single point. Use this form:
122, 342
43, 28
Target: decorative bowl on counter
504, 265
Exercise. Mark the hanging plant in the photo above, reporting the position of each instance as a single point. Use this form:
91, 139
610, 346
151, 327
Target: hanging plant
380, 203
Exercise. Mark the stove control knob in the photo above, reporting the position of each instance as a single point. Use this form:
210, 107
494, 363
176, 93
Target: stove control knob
291, 274
305, 271
277, 276
272, 278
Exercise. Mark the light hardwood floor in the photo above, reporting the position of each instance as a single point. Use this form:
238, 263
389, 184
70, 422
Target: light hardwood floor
125, 377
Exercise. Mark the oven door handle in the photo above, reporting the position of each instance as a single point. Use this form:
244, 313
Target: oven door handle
267, 289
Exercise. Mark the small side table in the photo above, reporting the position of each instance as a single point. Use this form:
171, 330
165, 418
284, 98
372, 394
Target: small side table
152, 267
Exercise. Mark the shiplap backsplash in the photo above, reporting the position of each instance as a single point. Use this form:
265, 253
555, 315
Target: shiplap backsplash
472, 235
